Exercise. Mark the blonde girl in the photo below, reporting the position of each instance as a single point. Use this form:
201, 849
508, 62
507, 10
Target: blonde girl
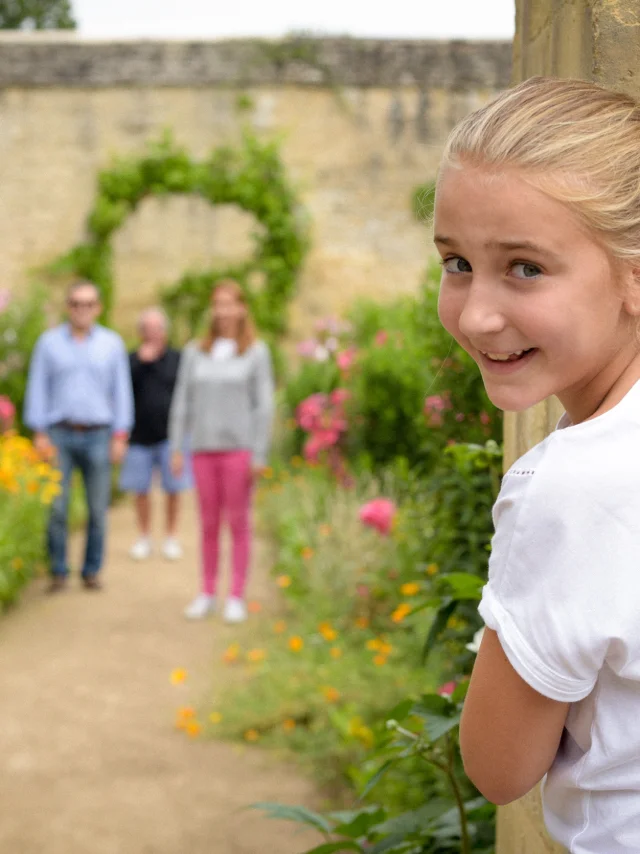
223, 402
537, 221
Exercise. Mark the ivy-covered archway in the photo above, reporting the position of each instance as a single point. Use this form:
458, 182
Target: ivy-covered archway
251, 176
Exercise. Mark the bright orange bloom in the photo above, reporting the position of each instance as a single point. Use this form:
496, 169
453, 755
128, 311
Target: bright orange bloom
362, 622
193, 729
324, 530
288, 725
280, 627
183, 716
283, 581
178, 675
327, 631
307, 553
254, 607
296, 643
232, 653
251, 735
331, 695
401, 612
256, 655
379, 660
335, 652
410, 588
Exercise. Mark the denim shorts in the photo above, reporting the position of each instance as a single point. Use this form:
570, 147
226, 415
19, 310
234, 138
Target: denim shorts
140, 463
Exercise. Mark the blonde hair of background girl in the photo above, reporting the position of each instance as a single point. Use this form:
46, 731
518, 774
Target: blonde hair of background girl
246, 334
575, 141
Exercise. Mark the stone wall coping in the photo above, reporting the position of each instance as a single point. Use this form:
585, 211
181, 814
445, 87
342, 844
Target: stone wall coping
66, 59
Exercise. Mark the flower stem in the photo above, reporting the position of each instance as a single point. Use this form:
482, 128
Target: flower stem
465, 844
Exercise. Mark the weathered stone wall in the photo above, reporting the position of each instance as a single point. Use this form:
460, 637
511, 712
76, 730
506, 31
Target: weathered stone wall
362, 123
593, 40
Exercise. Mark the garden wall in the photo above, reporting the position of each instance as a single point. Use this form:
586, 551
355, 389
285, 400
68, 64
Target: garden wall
594, 40
362, 124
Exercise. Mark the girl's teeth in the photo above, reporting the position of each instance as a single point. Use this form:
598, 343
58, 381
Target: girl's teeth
504, 357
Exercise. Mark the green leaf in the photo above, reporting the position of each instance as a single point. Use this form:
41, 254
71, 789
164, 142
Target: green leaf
300, 815
330, 847
413, 821
377, 777
361, 822
437, 627
464, 585
438, 713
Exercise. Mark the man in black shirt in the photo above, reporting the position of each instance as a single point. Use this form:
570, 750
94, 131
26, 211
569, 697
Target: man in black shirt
154, 369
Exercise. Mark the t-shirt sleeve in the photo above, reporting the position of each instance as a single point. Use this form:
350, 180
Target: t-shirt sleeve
547, 595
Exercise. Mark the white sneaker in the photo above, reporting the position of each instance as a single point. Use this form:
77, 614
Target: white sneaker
201, 607
141, 549
235, 611
172, 550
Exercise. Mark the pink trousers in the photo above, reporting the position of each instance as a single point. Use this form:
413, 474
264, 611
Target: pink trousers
224, 487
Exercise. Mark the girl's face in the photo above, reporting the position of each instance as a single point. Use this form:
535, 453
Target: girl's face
528, 292
228, 311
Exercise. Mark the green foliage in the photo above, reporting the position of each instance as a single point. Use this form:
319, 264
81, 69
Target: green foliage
36, 15
251, 176
21, 323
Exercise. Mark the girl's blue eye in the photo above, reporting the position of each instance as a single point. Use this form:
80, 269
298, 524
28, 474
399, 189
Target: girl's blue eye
526, 271
456, 265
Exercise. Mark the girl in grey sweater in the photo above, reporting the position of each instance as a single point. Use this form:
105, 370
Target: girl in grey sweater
223, 401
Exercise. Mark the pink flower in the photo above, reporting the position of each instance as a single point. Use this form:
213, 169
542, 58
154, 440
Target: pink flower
378, 514
447, 689
346, 358
310, 411
435, 403
382, 336
307, 348
7, 409
339, 396
485, 418
459, 416
362, 590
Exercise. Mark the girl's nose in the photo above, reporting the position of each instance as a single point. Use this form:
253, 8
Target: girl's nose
481, 313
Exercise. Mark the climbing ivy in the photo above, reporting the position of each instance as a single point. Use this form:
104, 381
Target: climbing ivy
251, 176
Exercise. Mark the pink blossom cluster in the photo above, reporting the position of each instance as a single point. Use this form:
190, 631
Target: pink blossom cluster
327, 341
7, 413
323, 417
378, 514
434, 407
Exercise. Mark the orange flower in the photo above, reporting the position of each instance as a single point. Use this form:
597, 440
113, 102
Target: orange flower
231, 654
401, 612
283, 581
193, 729
374, 644
288, 725
254, 607
362, 622
178, 675
296, 643
327, 631
251, 735
410, 589
432, 569
379, 660
267, 473
324, 530
335, 652
215, 717
32, 487
331, 695
280, 627
183, 716
256, 655
307, 553
384, 648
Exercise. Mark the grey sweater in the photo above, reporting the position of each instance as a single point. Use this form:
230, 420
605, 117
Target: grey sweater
223, 405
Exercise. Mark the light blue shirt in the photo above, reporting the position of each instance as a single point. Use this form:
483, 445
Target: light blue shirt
83, 381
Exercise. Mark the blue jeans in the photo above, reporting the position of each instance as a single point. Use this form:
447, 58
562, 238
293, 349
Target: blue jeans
90, 452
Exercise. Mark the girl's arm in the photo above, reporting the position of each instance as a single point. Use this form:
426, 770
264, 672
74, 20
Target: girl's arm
509, 734
180, 412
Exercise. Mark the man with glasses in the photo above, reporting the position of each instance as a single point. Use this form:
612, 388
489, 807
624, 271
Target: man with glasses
79, 404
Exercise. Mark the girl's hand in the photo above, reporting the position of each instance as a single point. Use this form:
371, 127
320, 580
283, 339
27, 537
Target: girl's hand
177, 464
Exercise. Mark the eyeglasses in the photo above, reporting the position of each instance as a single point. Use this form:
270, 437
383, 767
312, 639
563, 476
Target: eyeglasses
75, 303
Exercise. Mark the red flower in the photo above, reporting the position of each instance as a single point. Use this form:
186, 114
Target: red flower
378, 514
447, 689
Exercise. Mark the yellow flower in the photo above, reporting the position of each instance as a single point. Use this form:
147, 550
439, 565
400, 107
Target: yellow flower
331, 695
256, 655
327, 631
362, 622
251, 735
17, 563
32, 487
432, 569
193, 729
357, 729
374, 644
379, 660
178, 675
385, 648
410, 589
283, 581
401, 612
232, 653
296, 643
288, 725
215, 717
335, 652
279, 627
267, 473
307, 553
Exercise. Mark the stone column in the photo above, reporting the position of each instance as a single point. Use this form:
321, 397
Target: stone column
595, 40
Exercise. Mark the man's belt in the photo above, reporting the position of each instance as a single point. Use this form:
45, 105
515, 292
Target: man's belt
80, 428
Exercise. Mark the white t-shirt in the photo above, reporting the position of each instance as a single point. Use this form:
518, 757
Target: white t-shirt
564, 597
224, 348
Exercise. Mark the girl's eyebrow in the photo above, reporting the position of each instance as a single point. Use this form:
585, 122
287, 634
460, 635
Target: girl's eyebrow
508, 245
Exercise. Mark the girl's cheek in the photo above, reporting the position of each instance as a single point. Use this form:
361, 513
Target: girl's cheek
449, 311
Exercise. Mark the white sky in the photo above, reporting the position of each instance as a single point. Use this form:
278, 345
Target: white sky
472, 19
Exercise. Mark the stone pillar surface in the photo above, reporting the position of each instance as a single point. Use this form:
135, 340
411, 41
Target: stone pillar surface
594, 40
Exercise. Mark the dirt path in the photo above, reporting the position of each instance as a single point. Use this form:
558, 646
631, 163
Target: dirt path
90, 762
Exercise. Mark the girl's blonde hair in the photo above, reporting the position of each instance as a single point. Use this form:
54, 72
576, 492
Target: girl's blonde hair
576, 141
246, 334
